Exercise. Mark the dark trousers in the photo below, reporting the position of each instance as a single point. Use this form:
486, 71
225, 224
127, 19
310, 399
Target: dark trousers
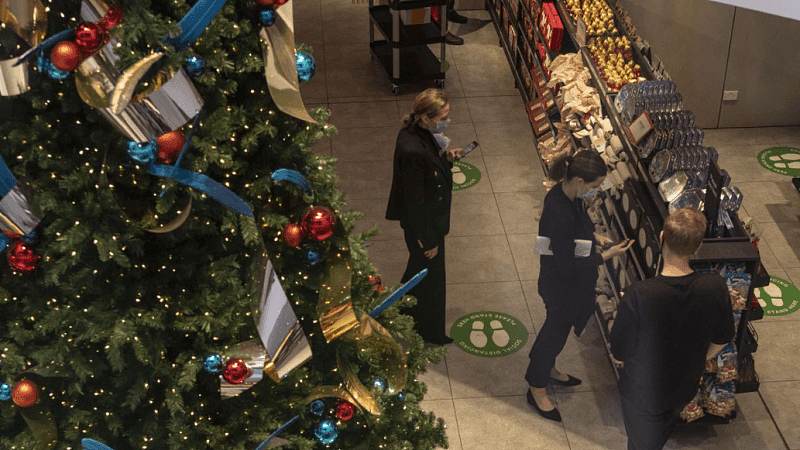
429, 312
549, 343
647, 430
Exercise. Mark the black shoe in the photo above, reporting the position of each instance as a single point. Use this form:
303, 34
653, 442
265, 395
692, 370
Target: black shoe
444, 340
553, 414
572, 381
453, 16
452, 39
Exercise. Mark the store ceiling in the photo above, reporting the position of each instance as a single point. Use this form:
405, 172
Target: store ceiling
783, 8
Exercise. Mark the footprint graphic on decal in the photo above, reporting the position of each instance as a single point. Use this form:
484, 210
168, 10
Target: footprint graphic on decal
499, 335
458, 175
477, 336
774, 293
779, 161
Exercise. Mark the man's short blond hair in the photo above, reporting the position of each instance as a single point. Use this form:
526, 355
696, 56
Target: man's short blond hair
684, 230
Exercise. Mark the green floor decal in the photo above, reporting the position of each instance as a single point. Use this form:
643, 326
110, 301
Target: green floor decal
782, 160
779, 298
465, 175
489, 334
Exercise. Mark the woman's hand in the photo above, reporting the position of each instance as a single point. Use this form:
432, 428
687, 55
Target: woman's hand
430, 254
617, 250
602, 239
453, 154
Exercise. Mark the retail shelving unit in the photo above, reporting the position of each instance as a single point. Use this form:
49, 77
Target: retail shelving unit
637, 211
403, 52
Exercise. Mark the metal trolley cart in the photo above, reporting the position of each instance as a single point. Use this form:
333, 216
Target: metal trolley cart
404, 53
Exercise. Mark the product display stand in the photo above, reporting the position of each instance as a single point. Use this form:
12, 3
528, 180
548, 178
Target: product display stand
403, 52
636, 210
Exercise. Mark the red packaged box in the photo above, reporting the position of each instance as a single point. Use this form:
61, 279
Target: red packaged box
551, 27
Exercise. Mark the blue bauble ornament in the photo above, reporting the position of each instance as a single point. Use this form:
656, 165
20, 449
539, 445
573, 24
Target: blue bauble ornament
212, 363
195, 65
5, 392
317, 407
380, 384
305, 66
267, 17
45, 66
143, 153
313, 258
326, 432
401, 396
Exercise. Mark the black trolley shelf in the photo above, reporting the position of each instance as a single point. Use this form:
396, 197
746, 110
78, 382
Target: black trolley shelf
403, 52
510, 18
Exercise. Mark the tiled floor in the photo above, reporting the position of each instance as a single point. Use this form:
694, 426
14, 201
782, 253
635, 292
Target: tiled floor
490, 260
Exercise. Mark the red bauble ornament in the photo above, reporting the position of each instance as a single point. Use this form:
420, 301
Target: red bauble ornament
25, 393
169, 146
376, 282
345, 411
89, 37
112, 18
22, 258
280, 2
66, 55
318, 223
236, 371
11, 235
292, 234
265, 2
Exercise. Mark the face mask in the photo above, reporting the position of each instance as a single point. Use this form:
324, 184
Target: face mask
440, 126
588, 194
442, 140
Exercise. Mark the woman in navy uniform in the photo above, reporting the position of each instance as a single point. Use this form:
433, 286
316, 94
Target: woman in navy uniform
422, 186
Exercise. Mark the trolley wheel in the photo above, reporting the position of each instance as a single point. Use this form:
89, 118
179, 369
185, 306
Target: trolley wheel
395, 89
440, 84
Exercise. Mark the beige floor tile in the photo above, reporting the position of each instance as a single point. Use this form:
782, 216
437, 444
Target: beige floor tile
355, 185
768, 259
593, 420
784, 240
793, 275
484, 185
506, 423
478, 260
475, 215
448, 52
506, 138
364, 114
505, 297
374, 210
515, 173
742, 164
737, 137
475, 376
752, 429
354, 31
389, 259
437, 381
535, 303
459, 111
310, 11
479, 54
585, 357
308, 32
783, 402
487, 78
359, 82
771, 201
365, 144
504, 108
520, 211
344, 11
352, 56
525, 260
446, 410
478, 30
776, 358
789, 136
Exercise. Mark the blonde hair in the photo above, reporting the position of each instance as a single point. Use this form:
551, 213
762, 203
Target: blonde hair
429, 103
684, 230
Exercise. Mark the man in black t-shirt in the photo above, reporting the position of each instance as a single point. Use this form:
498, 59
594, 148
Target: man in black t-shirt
665, 330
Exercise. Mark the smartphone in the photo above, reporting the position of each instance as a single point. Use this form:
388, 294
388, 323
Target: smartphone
614, 244
465, 151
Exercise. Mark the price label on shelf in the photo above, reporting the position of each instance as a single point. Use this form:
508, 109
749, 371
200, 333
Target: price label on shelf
580, 32
639, 128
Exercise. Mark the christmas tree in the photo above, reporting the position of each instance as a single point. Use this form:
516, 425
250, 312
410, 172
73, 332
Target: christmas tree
179, 274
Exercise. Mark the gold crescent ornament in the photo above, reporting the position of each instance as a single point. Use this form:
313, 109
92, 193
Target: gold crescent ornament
127, 82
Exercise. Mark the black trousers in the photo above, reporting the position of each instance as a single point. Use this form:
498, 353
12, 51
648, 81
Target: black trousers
549, 343
647, 430
429, 312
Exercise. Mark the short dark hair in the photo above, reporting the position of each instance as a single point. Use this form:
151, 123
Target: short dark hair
587, 165
684, 230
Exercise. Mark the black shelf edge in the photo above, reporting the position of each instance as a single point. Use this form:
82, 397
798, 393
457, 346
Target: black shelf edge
418, 61
604, 333
397, 5
725, 251
410, 35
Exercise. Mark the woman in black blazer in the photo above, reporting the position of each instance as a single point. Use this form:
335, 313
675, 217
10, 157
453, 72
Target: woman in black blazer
566, 282
422, 186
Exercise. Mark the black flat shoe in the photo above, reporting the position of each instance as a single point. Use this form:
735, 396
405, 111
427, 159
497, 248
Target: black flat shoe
452, 39
453, 16
553, 414
572, 381
441, 341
